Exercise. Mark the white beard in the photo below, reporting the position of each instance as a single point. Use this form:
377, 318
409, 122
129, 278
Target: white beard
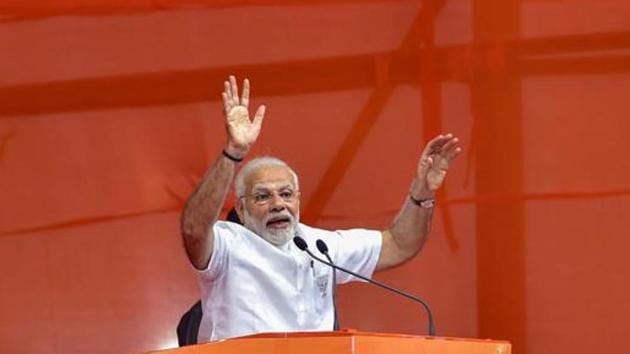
277, 237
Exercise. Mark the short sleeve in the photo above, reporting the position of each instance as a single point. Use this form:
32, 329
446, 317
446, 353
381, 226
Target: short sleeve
224, 234
357, 250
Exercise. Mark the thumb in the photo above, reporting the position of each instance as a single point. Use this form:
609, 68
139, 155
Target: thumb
425, 165
260, 116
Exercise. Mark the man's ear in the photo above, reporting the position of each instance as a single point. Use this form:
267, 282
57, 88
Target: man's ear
240, 209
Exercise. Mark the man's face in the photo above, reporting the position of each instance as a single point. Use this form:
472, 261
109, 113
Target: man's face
271, 204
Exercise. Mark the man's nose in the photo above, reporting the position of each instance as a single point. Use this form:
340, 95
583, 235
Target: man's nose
276, 202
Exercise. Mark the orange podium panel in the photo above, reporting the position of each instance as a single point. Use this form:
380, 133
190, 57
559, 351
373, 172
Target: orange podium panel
345, 342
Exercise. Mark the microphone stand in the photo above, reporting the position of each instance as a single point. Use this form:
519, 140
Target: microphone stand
301, 244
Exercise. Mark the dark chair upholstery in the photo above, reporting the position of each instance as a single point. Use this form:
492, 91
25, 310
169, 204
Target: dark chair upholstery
188, 326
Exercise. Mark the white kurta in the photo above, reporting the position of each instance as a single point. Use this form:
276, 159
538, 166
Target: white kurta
252, 286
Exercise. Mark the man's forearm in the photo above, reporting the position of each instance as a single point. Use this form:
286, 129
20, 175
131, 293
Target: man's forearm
405, 236
410, 228
202, 210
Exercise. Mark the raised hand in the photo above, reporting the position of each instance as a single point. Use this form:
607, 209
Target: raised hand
433, 165
242, 131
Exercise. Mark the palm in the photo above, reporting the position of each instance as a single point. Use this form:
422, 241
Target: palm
241, 130
436, 172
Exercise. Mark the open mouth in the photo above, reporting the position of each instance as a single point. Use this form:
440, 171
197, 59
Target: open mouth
279, 222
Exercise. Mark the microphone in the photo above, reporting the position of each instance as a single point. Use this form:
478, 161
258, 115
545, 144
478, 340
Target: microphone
321, 246
301, 244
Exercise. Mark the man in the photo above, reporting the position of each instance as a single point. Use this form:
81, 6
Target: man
252, 278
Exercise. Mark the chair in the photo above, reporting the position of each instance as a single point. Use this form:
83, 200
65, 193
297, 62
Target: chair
188, 326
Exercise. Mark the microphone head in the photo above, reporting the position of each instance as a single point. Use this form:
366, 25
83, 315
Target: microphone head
300, 243
321, 246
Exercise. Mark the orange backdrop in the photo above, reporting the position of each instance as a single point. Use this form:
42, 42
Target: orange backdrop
109, 114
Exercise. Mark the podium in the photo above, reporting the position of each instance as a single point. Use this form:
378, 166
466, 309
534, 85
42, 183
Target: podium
344, 342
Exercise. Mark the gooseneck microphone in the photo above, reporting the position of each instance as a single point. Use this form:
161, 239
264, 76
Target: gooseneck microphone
321, 246
302, 245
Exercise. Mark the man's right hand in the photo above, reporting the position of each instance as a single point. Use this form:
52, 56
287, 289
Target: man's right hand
242, 131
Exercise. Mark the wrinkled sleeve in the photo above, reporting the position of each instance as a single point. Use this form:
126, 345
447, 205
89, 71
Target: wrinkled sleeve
357, 250
224, 235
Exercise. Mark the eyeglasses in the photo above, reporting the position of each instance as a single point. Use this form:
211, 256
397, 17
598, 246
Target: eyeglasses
263, 198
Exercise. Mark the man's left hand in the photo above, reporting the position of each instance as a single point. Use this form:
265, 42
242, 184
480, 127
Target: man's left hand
433, 165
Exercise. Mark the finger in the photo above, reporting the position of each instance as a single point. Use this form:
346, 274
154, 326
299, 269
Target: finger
452, 154
440, 140
425, 165
245, 93
427, 162
449, 144
435, 144
260, 116
228, 92
234, 88
226, 105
